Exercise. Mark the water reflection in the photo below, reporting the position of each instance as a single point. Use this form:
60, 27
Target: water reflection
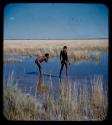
40, 85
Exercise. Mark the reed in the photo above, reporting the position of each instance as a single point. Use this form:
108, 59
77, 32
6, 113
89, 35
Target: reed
77, 49
75, 101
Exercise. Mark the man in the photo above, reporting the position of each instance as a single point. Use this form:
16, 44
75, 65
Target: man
40, 59
64, 61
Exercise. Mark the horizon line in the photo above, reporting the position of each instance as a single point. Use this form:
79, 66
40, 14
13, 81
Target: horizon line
60, 39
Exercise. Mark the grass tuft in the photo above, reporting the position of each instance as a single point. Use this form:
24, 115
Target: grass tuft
81, 100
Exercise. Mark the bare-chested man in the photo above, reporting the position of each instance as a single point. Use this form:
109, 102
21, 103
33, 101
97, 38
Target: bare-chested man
64, 61
40, 59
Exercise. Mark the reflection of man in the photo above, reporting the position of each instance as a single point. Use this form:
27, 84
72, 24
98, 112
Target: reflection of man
64, 61
39, 82
40, 86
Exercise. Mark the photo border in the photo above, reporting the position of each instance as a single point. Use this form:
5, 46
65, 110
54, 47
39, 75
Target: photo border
109, 113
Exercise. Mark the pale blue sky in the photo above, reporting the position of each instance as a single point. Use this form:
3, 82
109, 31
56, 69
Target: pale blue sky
55, 21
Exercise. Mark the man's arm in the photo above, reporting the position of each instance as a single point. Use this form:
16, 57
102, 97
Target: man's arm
46, 59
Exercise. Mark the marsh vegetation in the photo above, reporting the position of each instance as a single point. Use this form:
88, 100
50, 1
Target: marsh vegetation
83, 97
74, 101
77, 49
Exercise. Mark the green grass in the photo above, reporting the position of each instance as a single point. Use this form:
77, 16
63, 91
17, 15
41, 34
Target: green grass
74, 101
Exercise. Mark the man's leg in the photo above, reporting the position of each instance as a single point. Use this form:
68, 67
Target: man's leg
66, 64
40, 69
61, 69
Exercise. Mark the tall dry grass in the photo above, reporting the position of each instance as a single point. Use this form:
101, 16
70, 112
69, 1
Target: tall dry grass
75, 101
77, 49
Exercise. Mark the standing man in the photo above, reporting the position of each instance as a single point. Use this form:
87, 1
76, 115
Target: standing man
64, 61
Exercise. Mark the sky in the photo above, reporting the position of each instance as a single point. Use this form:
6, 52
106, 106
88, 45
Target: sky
55, 21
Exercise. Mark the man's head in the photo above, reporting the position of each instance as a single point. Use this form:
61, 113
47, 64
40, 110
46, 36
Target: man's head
65, 47
47, 55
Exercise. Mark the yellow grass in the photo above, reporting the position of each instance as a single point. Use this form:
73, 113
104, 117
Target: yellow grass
74, 101
76, 48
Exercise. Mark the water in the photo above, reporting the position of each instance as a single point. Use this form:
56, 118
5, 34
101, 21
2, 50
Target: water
25, 73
